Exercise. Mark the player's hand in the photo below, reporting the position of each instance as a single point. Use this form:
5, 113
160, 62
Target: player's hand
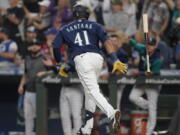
149, 73
21, 90
119, 67
63, 70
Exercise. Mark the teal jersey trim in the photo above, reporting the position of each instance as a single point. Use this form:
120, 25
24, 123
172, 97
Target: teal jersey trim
156, 66
141, 48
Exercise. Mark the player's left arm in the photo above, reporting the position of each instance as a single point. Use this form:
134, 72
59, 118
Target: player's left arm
57, 43
60, 68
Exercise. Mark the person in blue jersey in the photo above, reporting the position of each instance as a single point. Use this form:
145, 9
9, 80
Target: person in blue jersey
83, 37
8, 48
123, 56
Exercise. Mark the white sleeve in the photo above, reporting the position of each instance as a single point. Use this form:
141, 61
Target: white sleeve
13, 47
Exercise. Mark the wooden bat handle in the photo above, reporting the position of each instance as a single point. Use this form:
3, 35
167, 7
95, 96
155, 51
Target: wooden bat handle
145, 29
145, 23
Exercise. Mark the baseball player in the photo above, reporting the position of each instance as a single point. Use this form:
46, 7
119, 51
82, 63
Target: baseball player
71, 102
152, 91
82, 37
33, 66
123, 56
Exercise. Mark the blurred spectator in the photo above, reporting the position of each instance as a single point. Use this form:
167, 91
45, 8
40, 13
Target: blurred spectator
106, 10
42, 20
99, 12
139, 8
12, 18
130, 8
57, 23
34, 66
65, 12
145, 6
47, 46
175, 14
91, 4
8, 49
102, 11
4, 4
139, 36
158, 16
32, 5
118, 19
30, 34
166, 54
174, 33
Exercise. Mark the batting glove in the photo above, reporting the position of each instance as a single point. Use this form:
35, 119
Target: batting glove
118, 66
62, 69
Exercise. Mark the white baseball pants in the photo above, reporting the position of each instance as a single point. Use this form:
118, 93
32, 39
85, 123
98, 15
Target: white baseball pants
29, 112
71, 101
152, 92
88, 67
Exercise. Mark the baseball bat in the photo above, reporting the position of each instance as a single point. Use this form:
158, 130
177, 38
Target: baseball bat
145, 29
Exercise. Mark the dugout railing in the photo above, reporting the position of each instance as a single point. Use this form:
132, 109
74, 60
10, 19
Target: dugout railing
113, 82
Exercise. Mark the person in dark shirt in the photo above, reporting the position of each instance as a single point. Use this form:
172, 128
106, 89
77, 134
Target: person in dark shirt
82, 37
34, 66
123, 56
13, 17
30, 34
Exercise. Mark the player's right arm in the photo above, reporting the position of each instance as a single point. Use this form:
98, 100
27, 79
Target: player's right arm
21, 85
57, 43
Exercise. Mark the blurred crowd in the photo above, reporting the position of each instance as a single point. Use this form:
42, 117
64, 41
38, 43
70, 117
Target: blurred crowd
22, 21
27, 26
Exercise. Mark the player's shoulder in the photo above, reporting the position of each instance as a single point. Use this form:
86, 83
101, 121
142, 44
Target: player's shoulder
96, 24
81, 24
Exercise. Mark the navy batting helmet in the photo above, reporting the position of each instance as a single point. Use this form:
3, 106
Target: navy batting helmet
80, 11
